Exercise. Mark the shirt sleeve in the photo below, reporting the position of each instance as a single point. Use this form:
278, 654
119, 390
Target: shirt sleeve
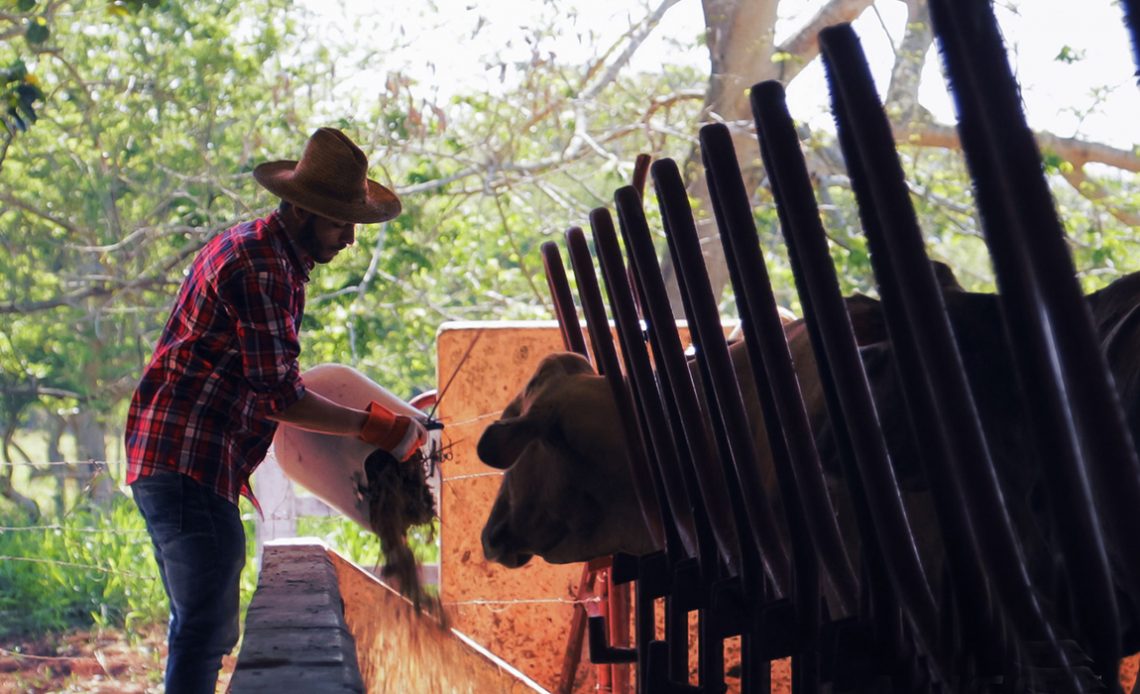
263, 306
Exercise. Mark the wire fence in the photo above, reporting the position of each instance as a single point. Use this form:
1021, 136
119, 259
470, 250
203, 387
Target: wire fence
77, 565
86, 531
65, 529
91, 471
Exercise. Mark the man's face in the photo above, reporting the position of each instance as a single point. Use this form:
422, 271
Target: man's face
323, 238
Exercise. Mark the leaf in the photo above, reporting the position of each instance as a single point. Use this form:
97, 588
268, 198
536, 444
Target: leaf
1052, 161
1069, 55
25, 5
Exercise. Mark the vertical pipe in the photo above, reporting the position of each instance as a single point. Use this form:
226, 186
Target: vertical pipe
1088, 459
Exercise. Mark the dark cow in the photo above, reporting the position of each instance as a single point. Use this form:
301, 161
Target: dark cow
567, 494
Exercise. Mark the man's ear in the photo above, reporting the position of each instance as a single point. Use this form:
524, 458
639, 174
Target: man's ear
503, 441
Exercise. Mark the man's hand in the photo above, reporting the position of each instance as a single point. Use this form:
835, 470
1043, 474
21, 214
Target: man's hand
398, 434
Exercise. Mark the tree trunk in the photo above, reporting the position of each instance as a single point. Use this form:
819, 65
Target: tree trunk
7, 490
91, 444
742, 52
902, 94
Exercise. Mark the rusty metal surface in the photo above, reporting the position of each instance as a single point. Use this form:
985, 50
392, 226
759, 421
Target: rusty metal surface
402, 650
524, 614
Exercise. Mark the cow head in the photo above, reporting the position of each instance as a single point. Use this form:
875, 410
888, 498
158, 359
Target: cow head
567, 494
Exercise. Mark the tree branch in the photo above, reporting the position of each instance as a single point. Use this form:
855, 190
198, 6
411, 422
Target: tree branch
1078, 152
636, 37
1090, 189
13, 202
803, 47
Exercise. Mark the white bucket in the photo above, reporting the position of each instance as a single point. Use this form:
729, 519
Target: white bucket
332, 466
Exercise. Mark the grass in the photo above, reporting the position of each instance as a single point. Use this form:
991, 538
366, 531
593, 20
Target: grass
87, 568
93, 566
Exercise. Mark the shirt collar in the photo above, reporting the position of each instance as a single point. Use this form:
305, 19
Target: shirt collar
302, 261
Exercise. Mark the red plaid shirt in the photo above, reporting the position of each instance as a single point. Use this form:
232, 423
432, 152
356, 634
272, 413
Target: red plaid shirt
226, 360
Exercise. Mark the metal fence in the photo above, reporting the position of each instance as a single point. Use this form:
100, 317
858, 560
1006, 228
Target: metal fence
976, 602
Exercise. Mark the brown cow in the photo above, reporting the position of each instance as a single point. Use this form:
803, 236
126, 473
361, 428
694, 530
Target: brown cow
567, 494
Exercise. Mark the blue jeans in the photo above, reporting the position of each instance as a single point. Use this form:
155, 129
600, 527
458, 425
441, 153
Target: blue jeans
199, 544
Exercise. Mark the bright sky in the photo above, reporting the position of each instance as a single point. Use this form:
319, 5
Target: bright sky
444, 42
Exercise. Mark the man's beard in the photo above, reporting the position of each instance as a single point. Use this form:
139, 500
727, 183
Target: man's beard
307, 239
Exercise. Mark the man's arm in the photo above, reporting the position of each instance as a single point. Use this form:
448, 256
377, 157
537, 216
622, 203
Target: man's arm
314, 412
400, 435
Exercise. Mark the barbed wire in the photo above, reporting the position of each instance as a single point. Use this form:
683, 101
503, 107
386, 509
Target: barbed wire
473, 475
476, 418
526, 601
117, 531
503, 605
76, 565
30, 656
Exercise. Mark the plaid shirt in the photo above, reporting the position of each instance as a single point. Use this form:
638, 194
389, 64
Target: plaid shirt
227, 359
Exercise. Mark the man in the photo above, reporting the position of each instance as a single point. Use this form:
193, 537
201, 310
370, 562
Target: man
225, 373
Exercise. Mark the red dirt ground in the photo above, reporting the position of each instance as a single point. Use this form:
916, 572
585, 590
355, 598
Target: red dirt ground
113, 662
87, 662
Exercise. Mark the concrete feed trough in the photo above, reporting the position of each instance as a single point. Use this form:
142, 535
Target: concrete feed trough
319, 623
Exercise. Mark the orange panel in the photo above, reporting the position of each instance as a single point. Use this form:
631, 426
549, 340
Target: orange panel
522, 615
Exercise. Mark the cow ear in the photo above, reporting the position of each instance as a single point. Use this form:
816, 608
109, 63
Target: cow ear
503, 441
866, 317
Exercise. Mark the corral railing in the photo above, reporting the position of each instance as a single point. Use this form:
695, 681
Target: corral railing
968, 602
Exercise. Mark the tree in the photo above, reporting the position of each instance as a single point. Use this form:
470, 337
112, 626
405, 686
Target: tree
151, 120
742, 52
136, 159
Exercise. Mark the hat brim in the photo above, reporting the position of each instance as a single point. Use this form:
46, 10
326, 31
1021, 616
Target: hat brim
379, 205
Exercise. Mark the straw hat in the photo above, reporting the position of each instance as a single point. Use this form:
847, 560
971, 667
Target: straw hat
331, 179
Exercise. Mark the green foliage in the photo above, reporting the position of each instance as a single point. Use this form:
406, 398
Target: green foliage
92, 568
37, 31
111, 195
21, 93
1069, 55
352, 541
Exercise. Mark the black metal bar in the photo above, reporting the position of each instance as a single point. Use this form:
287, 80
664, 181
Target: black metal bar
704, 321
705, 474
650, 568
1132, 23
649, 493
961, 474
806, 239
1086, 452
671, 364
692, 526
803, 480
640, 373
568, 323
601, 652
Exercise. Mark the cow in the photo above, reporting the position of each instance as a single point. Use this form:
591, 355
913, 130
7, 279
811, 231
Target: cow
567, 494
